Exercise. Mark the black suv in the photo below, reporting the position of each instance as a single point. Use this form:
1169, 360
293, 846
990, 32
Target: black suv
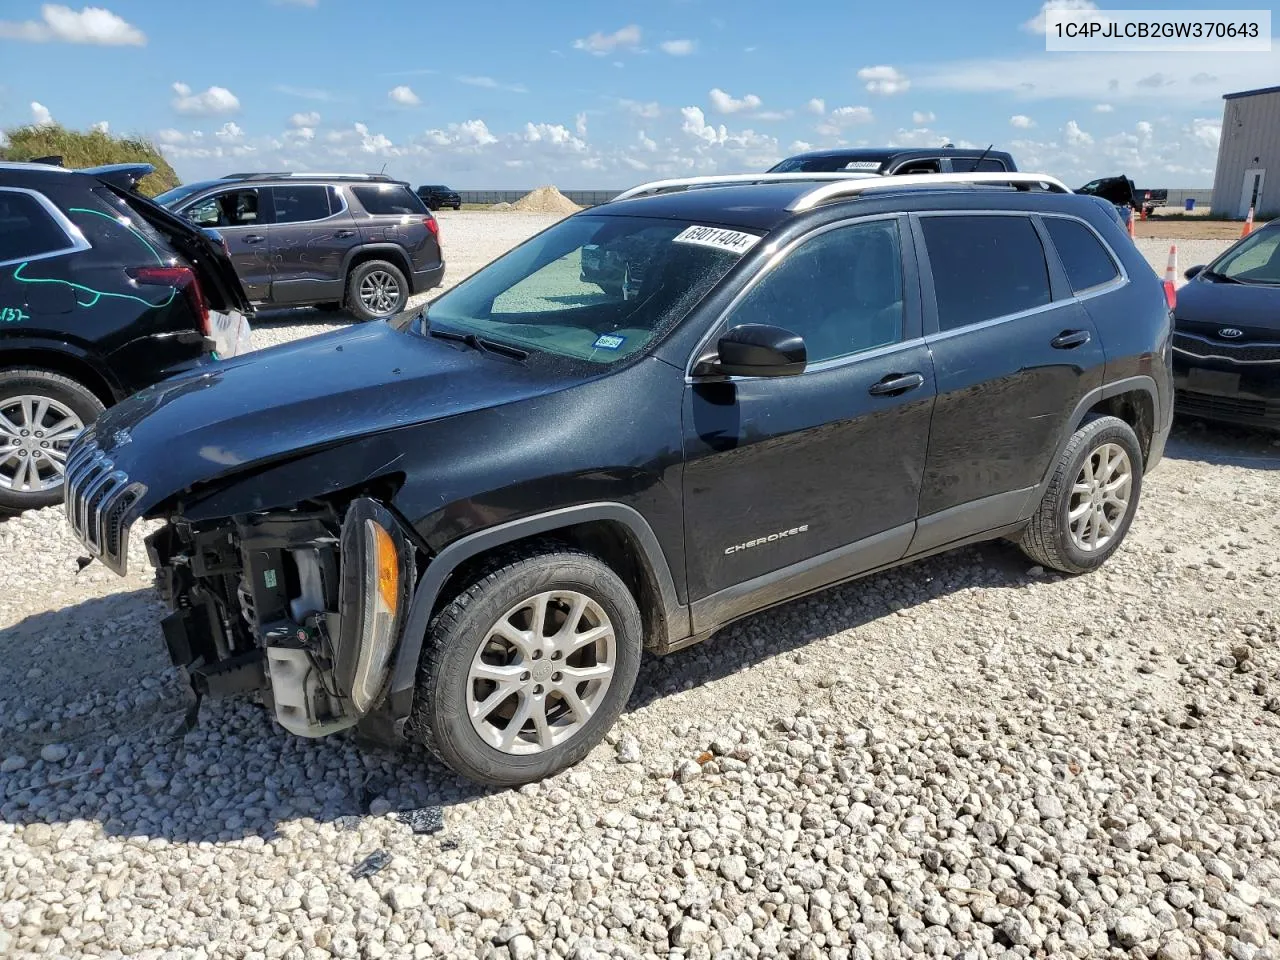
438, 195
465, 533
361, 240
892, 161
102, 292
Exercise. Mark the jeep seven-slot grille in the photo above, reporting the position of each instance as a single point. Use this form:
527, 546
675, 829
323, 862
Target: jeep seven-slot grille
98, 496
1237, 352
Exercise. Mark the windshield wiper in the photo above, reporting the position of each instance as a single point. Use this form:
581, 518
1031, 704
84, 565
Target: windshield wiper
1218, 277
477, 342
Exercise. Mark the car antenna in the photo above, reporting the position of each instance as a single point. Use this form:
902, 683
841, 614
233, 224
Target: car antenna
978, 162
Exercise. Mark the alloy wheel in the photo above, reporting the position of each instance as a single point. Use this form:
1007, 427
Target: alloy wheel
379, 292
541, 672
1100, 497
35, 434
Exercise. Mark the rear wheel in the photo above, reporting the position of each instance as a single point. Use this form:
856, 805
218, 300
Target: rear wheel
377, 290
41, 413
1091, 499
524, 672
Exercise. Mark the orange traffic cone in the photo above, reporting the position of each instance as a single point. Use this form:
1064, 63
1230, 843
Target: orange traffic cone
1132, 235
1248, 225
1170, 277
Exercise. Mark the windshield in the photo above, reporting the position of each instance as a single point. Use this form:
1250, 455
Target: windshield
1256, 260
172, 197
825, 165
594, 288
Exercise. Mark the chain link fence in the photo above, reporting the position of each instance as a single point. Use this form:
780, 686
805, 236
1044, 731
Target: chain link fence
583, 198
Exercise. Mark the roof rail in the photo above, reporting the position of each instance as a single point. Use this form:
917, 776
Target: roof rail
834, 191
728, 179
285, 174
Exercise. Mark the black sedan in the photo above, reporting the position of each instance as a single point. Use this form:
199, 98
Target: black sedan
1226, 343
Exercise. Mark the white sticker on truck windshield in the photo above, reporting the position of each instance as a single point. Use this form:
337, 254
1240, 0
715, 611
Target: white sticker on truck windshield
735, 241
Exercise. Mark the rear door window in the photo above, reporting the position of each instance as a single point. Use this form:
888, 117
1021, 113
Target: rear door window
973, 164
1086, 260
28, 230
389, 198
985, 267
300, 203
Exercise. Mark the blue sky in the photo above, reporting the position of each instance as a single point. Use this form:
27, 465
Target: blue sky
516, 94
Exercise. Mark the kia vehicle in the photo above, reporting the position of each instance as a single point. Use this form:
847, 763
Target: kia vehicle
895, 161
465, 533
1226, 343
360, 241
102, 293
438, 195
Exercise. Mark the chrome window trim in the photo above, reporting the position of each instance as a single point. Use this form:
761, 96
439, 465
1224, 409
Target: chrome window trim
776, 258
1088, 294
75, 239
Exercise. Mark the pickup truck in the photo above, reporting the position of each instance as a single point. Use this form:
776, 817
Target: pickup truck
1121, 191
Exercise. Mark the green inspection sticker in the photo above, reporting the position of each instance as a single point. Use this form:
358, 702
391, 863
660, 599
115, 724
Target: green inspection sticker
269, 578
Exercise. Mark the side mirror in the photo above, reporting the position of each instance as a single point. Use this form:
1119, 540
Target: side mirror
756, 350
1191, 272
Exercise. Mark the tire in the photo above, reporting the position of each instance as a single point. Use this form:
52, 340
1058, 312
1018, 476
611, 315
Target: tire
1049, 538
507, 590
369, 272
64, 399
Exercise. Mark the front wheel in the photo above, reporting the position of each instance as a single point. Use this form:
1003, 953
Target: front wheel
377, 290
41, 412
524, 672
1091, 499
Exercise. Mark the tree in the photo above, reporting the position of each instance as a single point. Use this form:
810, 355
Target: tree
92, 148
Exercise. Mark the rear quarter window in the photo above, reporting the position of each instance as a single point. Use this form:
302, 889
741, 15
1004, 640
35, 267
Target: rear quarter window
1086, 260
27, 229
392, 199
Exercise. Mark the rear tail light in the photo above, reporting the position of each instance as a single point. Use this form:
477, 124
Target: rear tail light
433, 225
184, 281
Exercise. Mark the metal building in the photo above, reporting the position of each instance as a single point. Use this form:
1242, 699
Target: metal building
1250, 145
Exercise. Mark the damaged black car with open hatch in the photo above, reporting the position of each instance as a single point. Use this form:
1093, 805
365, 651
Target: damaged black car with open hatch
466, 532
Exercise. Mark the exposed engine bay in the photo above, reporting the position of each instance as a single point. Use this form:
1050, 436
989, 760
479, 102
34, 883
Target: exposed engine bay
305, 605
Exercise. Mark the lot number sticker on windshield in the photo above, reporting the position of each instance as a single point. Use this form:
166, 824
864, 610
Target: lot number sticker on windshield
735, 241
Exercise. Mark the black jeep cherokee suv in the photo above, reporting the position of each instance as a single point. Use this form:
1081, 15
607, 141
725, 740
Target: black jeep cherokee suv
365, 241
102, 293
465, 533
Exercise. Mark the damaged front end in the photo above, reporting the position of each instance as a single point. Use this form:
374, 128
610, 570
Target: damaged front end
306, 605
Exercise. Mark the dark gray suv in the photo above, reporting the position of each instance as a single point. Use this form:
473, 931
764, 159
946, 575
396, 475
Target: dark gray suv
363, 241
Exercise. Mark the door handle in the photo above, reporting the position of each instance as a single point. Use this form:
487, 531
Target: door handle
254, 238
1070, 339
895, 384
343, 234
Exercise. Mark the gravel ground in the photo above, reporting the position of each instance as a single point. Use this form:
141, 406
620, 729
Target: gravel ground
962, 758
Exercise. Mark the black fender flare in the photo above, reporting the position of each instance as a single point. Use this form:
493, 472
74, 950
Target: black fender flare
438, 569
1092, 398
391, 252
26, 350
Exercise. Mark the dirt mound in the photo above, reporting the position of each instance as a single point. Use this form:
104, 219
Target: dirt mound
545, 200
502, 205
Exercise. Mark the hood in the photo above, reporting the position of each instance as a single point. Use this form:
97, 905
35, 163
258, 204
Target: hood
1204, 306
273, 404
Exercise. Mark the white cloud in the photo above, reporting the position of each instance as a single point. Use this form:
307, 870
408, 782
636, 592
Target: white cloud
921, 137
376, 143
491, 84
884, 80
211, 101
1076, 137
169, 135
1206, 132
102, 126
816, 105
1144, 128
309, 119
93, 25
1038, 23
727, 104
580, 124
678, 48
921, 117
695, 124
600, 44
40, 114
1021, 121
800, 146
1103, 108
471, 134
231, 132
647, 142
842, 117
648, 110
404, 96
554, 134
